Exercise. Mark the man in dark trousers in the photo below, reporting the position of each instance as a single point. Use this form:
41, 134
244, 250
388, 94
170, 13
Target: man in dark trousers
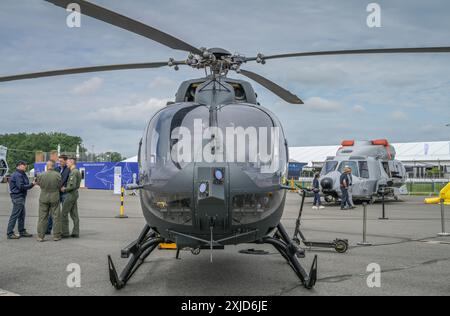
351, 204
317, 205
18, 189
70, 205
49, 202
64, 171
344, 189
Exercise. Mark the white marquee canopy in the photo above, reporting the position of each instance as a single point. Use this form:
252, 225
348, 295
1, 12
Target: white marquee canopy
410, 153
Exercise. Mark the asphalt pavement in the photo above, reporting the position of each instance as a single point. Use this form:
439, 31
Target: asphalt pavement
412, 259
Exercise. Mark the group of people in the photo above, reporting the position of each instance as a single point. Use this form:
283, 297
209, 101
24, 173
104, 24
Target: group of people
58, 200
346, 182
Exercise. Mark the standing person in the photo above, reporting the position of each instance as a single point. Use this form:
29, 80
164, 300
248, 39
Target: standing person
350, 188
70, 205
344, 189
64, 171
49, 202
18, 189
316, 189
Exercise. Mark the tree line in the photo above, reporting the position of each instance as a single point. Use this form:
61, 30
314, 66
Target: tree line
23, 146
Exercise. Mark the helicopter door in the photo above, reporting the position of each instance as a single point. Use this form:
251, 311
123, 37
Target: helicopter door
398, 173
386, 168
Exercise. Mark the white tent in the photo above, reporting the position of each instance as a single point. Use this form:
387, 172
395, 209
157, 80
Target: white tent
132, 159
410, 153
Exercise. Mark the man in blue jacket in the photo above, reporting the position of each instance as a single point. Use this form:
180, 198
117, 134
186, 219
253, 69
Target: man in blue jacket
18, 187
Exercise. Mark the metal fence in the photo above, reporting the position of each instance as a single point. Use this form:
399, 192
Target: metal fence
423, 186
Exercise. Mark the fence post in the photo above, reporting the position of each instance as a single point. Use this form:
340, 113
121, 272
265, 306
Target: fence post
383, 205
364, 242
444, 233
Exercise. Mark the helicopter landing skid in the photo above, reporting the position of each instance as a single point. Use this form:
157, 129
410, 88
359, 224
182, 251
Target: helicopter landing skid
139, 250
285, 246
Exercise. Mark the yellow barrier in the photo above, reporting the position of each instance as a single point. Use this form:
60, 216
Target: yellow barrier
292, 185
172, 246
443, 195
122, 204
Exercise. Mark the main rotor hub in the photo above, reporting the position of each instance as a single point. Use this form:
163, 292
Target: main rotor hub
219, 53
218, 60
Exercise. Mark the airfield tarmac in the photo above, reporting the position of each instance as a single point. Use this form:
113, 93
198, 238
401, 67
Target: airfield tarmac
413, 260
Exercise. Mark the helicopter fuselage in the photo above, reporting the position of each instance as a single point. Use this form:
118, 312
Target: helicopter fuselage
212, 167
3, 163
375, 171
213, 172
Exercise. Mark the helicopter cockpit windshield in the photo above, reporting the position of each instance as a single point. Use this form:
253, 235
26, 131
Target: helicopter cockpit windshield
162, 136
359, 167
243, 135
255, 142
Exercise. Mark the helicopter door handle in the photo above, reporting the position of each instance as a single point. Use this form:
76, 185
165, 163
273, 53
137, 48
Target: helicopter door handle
134, 187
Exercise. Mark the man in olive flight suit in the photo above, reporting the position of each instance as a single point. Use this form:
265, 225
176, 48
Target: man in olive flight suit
70, 204
50, 183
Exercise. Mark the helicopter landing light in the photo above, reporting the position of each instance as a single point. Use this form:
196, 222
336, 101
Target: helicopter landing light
161, 205
203, 188
219, 176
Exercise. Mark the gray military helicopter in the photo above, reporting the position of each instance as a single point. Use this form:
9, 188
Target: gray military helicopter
375, 171
3, 163
204, 204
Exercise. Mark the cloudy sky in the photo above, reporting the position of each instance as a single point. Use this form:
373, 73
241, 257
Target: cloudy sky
400, 97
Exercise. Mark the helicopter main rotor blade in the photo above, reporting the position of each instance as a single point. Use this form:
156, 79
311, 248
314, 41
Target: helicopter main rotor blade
126, 23
279, 91
415, 50
72, 71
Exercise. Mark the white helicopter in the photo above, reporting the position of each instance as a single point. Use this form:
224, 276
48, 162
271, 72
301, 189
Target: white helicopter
375, 171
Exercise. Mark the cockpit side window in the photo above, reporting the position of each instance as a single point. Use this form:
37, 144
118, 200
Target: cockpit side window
190, 93
329, 166
239, 93
364, 169
164, 140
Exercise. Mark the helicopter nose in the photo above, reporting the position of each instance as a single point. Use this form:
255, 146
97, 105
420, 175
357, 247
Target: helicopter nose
327, 183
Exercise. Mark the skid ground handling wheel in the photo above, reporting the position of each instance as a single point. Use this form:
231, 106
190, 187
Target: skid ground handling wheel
341, 245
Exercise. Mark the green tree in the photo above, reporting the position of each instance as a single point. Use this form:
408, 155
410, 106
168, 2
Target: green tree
434, 172
23, 146
110, 157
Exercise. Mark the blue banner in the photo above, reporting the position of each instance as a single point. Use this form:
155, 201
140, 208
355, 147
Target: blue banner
100, 175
